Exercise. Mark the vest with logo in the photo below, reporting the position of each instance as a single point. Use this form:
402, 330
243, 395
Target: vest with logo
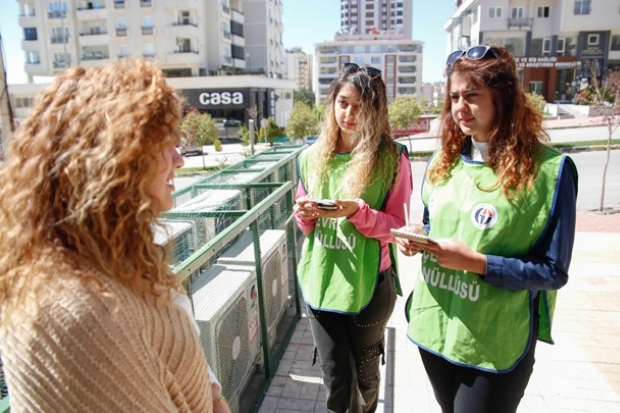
455, 313
339, 266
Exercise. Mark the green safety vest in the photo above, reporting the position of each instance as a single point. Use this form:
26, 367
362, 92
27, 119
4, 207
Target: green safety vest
339, 266
455, 313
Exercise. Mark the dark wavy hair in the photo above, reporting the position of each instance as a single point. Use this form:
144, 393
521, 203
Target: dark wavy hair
515, 137
74, 198
372, 132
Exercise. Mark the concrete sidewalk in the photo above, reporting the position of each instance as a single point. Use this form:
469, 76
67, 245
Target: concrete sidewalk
580, 373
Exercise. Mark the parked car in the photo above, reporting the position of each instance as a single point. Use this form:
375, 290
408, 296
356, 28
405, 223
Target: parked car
188, 150
310, 139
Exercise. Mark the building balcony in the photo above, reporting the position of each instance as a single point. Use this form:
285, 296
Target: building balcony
119, 4
28, 20
183, 57
121, 31
92, 39
59, 39
183, 30
225, 9
56, 14
521, 23
95, 56
237, 16
92, 14
147, 31
146, 3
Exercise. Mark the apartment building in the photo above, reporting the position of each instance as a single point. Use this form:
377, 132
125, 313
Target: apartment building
560, 45
298, 66
377, 33
384, 16
198, 39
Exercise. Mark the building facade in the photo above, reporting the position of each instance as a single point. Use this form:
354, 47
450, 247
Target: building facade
400, 62
560, 45
298, 66
382, 16
206, 41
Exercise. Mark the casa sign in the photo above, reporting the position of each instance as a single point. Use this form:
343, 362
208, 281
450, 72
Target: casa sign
220, 98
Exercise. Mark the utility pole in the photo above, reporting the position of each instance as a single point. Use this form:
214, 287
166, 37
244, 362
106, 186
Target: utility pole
6, 114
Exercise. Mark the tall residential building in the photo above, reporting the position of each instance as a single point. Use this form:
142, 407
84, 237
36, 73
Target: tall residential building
190, 39
380, 16
560, 45
183, 37
377, 33
263, 36
299, 67
399, 59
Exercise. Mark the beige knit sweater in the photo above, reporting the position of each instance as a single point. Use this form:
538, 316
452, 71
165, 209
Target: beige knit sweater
126, 352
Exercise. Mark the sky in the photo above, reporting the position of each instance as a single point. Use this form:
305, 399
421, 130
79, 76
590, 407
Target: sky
305, 24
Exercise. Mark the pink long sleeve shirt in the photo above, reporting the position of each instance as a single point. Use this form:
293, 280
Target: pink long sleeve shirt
373, 223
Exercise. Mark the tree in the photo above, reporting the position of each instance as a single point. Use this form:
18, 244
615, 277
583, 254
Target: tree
404, 111
537, 101
302, 122
271, 131
198, 129
304, 95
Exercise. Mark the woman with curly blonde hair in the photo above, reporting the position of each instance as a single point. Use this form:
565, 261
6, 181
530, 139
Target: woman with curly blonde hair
500, 205
347, 271
87, 300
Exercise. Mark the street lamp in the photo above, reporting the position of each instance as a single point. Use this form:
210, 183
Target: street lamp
248, 62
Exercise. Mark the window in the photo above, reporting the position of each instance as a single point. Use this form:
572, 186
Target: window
121, 22
147, 21
30, 33
517, 13
123, 50
149, 49
593, 40
495, 12
582, 7
615, 42
543, 12
546, 48
561, 47
33, 58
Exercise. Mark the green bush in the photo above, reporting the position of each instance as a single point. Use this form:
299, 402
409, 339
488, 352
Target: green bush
217, 145
538, 102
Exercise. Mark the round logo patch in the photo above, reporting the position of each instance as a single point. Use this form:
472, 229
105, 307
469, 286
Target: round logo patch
484, 216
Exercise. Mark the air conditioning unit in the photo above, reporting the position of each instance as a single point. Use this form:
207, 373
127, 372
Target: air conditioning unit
209, 201
275, 277
177, 237
226, 309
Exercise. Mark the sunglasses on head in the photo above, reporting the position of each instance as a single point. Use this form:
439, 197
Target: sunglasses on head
354, 67
473, 53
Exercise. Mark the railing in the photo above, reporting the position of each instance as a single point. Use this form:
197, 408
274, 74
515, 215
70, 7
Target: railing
94, 33
521, 22
146, 3
185, 23
119, 4
60, 39
186, 51
95, 56
121, 31
147, 31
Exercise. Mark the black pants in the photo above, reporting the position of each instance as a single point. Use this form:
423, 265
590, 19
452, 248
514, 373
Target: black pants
350, 348
460, 389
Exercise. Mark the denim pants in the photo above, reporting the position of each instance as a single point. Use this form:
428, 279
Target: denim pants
350, 348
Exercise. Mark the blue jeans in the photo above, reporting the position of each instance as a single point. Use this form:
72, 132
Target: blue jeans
350, 348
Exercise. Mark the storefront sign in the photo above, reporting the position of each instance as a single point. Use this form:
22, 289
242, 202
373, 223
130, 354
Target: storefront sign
538, 62
216, 99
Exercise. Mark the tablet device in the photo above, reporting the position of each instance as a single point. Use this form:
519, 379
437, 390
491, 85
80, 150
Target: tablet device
413, 236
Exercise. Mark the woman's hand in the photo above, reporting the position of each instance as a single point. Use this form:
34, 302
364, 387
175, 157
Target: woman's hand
407, 246
220, 405
306, 208
453, 254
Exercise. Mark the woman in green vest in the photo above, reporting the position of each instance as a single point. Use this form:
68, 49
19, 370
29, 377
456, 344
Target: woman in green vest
500, 205
347, 272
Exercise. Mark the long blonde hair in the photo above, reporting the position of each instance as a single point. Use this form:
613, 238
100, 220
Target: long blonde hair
372, 132
74, 201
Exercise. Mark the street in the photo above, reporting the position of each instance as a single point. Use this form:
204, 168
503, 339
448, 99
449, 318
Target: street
590, 167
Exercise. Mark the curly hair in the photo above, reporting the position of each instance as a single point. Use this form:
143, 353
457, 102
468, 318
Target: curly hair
372, 132
74, 198
517, 134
